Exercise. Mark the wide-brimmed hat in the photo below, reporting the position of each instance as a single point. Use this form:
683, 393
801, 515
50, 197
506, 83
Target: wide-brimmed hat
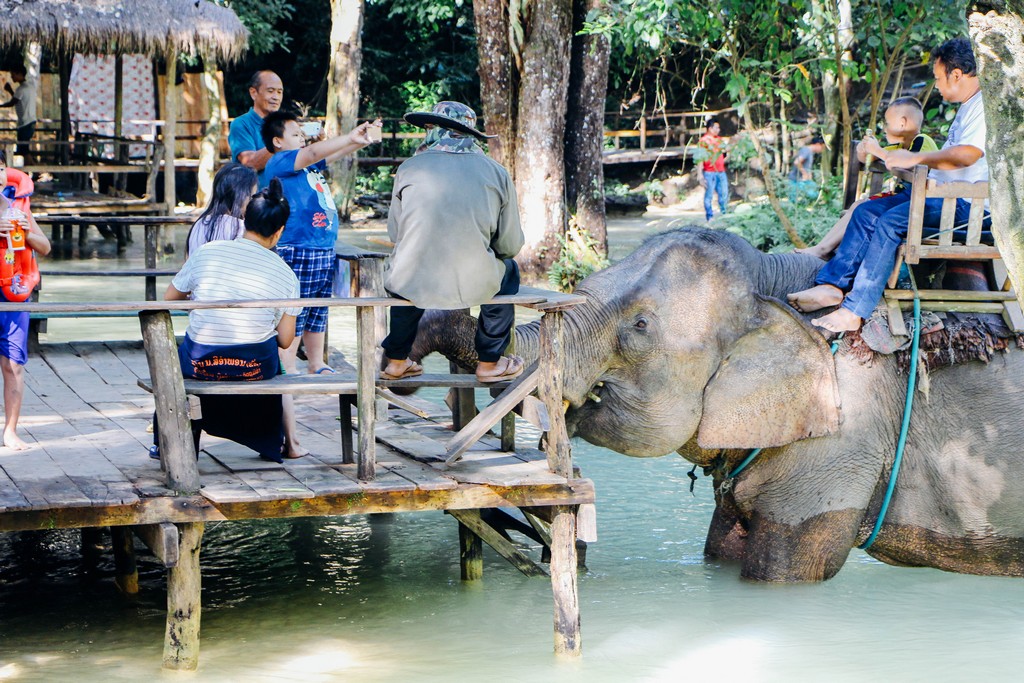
451, 115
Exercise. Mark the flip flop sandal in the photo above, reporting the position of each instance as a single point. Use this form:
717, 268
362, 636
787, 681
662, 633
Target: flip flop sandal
326, 368
513, 368
413, 370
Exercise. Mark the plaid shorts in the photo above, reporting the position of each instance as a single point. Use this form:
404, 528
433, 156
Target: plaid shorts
315, 269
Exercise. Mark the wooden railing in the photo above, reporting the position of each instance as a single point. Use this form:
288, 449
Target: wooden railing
176, 445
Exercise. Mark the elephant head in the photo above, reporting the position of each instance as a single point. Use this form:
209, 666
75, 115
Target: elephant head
690, 348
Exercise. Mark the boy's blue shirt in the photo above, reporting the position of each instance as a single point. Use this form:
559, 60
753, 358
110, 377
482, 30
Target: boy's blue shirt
313, 221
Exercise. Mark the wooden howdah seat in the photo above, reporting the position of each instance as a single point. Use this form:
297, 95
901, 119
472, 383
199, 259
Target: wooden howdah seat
969, 244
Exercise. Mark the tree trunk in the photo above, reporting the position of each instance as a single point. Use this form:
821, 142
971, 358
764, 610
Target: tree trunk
539, 153
211, 140
762, 157
584, 126
843, 37
998, 39
343, 94
499, 80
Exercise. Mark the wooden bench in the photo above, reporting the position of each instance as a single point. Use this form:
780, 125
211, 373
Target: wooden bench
951, 242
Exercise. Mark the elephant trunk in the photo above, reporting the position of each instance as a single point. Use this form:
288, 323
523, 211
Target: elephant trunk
451, 334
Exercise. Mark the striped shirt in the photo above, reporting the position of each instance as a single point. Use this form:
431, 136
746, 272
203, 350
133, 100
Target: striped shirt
236, 269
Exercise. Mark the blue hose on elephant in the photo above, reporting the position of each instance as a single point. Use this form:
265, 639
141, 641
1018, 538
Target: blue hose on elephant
904, 428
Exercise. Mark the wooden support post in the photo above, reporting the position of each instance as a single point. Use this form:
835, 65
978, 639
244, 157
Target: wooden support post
563, 581
151, 236
161, 539
177, 450
508, 423
366, 397
471, 553
92, 545
558, 450
501, 545
345, 403
370, 282
563, 523
181, 640
461, 401
126, 573
170, 128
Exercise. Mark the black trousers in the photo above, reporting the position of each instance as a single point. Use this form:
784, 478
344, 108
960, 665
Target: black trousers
24, 134
493, 327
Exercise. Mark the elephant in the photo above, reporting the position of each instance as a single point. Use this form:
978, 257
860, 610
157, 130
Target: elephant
686, 346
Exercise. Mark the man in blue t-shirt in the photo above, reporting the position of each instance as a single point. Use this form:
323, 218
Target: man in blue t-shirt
245, 137
307, 244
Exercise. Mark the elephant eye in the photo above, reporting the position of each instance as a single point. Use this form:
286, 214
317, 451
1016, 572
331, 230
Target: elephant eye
640, 324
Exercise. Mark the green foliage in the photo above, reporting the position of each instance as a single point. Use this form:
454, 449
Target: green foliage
380, 180
416, 52
261, 17
758, 224
579, 255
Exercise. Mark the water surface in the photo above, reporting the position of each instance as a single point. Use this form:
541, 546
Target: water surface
378, 598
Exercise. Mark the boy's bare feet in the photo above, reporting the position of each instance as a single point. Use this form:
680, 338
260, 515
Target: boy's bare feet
13, 441
815, 298
839, 320
817, 251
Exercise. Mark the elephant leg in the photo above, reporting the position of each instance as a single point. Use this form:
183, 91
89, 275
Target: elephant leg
727, 536
813, 550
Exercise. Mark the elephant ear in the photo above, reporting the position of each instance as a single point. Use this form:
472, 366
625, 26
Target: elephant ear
777, 385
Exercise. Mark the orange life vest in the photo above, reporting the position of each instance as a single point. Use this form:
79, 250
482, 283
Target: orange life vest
19, 273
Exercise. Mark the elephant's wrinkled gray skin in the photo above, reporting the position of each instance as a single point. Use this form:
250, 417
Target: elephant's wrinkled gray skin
690, 349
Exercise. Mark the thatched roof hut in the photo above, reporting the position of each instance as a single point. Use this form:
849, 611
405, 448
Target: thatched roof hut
153, 27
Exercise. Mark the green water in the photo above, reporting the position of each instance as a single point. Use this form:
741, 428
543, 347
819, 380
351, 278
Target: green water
379, 599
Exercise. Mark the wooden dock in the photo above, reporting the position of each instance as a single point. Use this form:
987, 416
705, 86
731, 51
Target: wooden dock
87, 410
87, 419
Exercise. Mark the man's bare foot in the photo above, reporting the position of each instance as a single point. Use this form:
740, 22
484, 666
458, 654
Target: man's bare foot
839, 320
13, 441
293, 450
815, 298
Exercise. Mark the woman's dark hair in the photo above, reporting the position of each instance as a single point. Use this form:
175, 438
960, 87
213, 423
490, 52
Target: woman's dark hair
957, 54
268, 210
273, 127
232, 187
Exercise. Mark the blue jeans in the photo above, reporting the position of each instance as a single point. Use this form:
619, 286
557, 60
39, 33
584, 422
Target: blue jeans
867, 254
715, 182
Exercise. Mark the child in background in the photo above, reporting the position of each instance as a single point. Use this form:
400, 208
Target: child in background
903, 119
14, 324
307, 244
223, 218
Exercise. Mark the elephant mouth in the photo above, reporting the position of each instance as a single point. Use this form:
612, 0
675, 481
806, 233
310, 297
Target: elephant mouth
578, 411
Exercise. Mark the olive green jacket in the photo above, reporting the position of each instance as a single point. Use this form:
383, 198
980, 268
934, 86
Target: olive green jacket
453, 218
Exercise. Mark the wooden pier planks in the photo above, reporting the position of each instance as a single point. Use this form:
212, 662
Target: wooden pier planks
94, 454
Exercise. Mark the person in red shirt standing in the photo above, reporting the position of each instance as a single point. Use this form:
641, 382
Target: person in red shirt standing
712, 170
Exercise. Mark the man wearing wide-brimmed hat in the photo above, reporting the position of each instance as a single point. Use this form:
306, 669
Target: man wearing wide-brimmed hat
454, 220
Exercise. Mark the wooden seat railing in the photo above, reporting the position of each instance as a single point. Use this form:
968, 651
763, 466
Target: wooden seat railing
952, 242
177, 450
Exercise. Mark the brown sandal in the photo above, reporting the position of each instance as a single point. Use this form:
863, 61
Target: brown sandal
412, 370
513, 368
